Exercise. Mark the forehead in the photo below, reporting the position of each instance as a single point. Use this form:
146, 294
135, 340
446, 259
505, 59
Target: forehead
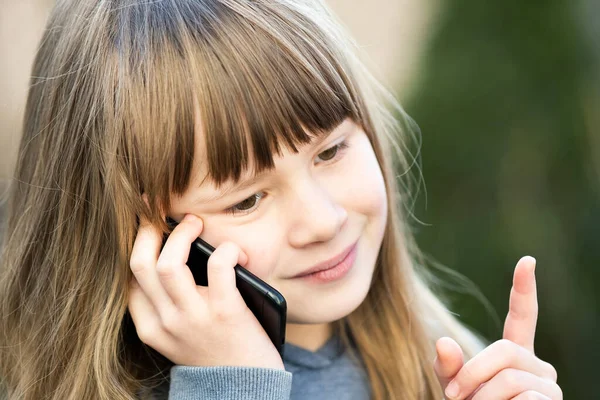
251, 170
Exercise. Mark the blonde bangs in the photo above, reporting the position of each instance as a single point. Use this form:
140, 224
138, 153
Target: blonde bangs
255, 90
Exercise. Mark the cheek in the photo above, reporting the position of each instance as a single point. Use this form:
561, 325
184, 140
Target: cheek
259, 241
364, 177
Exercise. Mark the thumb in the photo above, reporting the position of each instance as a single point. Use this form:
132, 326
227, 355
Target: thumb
449, 360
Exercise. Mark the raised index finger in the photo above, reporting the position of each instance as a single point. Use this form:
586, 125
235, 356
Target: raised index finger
521, 320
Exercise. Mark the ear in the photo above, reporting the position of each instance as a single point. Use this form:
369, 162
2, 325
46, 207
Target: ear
146, 200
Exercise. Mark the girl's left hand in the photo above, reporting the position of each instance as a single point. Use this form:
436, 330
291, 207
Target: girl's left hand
508, 368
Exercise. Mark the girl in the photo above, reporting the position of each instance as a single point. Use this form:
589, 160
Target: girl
255, 125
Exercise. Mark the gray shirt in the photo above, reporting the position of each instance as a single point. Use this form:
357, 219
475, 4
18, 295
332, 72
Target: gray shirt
328, 373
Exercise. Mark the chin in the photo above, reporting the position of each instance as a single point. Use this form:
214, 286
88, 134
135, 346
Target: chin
325, 306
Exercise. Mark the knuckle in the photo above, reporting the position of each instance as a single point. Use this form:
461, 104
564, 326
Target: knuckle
529, 395
466, 374
508, 349
552, 373
534, 312
558, 391
510, 377
222, 315
164, 269
169, 321
138, 263
146, 332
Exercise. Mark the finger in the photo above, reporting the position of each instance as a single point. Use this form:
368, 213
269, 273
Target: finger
523, 308
171, 267
494, 358
144, 256
144, 316
449, 360
222, 290
511, 382
531, 395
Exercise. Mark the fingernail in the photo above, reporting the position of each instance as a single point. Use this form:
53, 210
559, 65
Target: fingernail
190, 218
452, 390
532, 264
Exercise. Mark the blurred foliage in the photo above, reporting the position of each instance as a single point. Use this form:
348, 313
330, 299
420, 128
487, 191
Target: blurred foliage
507, 102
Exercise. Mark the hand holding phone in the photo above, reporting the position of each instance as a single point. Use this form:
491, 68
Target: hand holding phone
189, 324
265, 302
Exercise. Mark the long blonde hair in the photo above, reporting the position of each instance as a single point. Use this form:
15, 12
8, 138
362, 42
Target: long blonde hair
110, 115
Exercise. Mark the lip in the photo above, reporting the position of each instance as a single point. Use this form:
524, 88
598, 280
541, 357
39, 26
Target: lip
327, 264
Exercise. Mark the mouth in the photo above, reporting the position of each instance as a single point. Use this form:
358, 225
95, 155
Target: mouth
330, 264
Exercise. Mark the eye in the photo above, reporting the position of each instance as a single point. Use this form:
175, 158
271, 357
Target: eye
246, 206
333, 152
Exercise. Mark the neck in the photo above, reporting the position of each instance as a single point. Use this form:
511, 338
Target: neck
308, 336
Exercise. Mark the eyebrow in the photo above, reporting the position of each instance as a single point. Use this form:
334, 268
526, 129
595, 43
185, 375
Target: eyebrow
257, 177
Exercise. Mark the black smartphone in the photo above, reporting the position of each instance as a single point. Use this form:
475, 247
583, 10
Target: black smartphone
265, 302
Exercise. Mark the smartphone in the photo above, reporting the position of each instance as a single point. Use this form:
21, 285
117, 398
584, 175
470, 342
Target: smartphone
265, 302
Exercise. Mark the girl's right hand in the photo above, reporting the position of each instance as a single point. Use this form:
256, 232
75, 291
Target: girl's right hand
189, 324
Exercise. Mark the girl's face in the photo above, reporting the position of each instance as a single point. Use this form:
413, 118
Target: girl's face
312, 207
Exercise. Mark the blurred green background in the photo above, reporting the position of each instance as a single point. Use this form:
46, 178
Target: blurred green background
508, 99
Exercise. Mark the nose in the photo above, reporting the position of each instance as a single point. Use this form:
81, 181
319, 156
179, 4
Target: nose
314, 214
